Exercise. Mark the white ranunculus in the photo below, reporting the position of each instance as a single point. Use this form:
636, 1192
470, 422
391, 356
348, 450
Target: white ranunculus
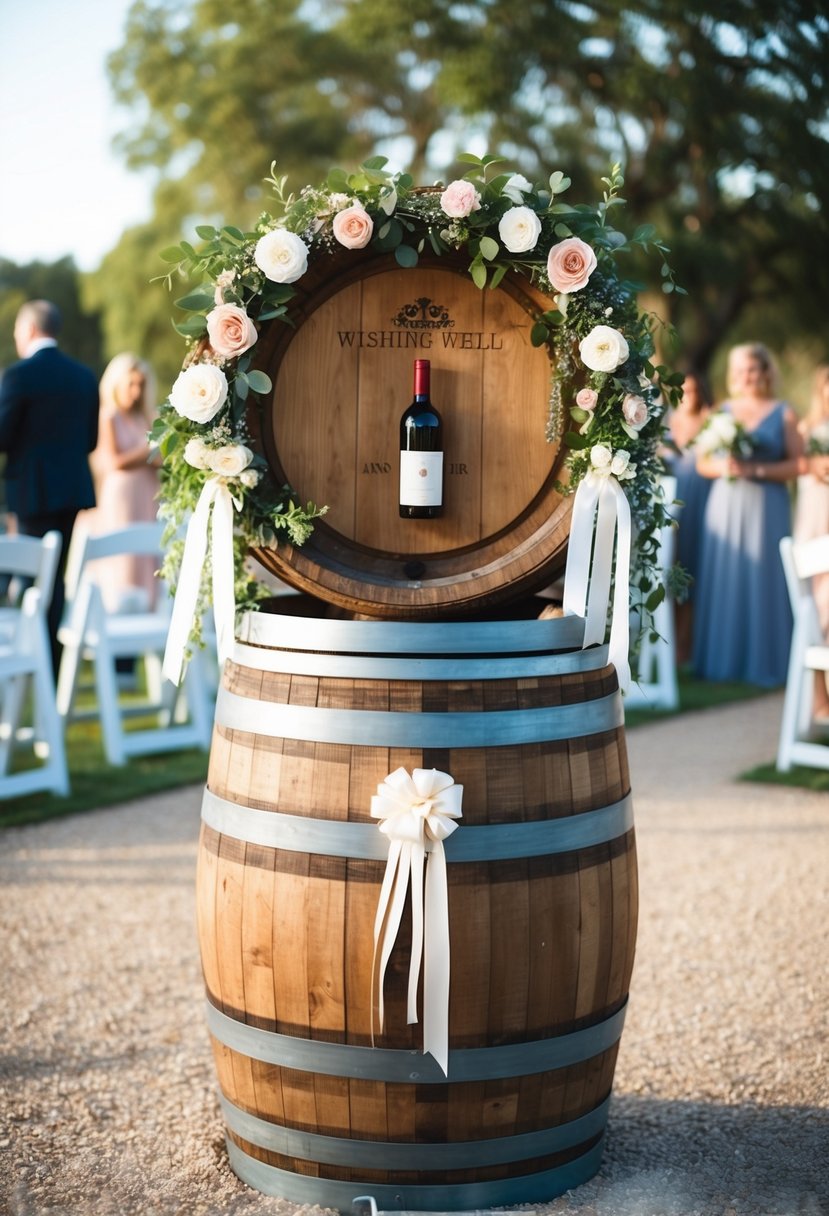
604, 349
199, 392
519, 229
516, 188
230, 460
620, 464
281, 255
196, 453
601, 457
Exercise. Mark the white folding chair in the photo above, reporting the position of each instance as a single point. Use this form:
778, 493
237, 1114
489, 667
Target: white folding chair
26, 663
184, 716
657, 686
809, 654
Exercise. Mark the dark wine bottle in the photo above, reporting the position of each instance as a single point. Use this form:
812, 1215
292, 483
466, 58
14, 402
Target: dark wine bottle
421, 452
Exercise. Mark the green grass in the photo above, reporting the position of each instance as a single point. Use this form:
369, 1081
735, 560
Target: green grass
94, 782
816, 779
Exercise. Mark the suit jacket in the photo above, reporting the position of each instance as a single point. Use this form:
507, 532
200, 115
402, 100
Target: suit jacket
48, 427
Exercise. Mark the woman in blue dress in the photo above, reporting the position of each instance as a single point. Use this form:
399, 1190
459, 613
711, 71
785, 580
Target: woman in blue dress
743, 620
684, 424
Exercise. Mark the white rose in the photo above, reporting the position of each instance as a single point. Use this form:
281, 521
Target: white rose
516, 188
199, 392
519, 229
281, 255
249, 477
230, 460
619, 463
601, 457
604, 349
196, 453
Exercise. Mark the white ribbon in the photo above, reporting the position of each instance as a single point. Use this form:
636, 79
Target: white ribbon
417, 813
214, 511
600, 514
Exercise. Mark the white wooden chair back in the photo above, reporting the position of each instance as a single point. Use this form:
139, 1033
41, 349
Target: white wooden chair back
809, 655
25, 660
93, 632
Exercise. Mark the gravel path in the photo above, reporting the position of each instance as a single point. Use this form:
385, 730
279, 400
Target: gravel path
721, 1102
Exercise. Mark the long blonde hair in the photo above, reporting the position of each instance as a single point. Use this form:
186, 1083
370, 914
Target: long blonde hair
754, 350
819, 409
115, 373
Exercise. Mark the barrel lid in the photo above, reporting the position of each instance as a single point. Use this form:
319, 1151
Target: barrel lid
342, 377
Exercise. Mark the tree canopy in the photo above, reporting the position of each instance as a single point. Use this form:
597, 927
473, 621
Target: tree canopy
717, 112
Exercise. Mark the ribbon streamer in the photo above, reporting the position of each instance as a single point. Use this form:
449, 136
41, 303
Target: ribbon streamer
601, 514
417, 813
214, 512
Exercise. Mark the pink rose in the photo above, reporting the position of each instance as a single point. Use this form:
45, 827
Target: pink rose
230, 330
353, 227
586, 398
460, 199
570, 264
635, 411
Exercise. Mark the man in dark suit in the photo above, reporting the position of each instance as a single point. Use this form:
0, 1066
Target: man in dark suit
48, 427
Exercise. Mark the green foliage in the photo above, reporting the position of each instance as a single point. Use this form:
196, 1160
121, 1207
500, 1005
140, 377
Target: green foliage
61, 283
716, 113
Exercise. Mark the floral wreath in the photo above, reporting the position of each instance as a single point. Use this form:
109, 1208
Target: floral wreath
607, 397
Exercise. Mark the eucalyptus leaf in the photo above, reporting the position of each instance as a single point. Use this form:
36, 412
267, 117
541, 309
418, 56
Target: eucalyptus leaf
405, 256
498, 273
375, 162
558, 182
173, 253
206, 231
193, 327
196, 301
489, 248
241, 386
235, 234
478, 272
259, 381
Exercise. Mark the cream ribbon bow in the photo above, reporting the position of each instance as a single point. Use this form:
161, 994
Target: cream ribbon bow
214, 511
418, 812
600, 514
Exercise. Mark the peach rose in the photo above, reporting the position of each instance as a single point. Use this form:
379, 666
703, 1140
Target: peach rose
570, 264
230, 330
353, 227
460, 199
586, 398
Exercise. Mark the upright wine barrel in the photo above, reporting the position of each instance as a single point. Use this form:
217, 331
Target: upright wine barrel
342, 378
311, 717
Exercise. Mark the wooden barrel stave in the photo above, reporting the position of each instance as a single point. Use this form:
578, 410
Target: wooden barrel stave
256, 903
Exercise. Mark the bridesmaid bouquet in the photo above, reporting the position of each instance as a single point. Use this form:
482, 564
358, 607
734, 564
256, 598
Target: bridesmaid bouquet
723, 435
818, 442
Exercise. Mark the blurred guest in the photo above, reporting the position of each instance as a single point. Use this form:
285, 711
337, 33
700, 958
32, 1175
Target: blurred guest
127, 473
48, 427
742, 619
684, 424
812, 514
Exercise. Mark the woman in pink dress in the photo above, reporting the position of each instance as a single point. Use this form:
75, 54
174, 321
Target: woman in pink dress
127, 477
812, 517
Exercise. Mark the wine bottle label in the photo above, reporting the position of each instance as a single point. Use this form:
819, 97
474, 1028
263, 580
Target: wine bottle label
421, 479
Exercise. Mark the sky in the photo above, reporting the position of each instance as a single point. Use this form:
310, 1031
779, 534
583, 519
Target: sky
64, 190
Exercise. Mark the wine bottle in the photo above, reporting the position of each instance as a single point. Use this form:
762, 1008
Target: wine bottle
421, 452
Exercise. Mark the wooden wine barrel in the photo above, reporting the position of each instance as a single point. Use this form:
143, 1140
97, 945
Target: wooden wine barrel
312, 715
342, 378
